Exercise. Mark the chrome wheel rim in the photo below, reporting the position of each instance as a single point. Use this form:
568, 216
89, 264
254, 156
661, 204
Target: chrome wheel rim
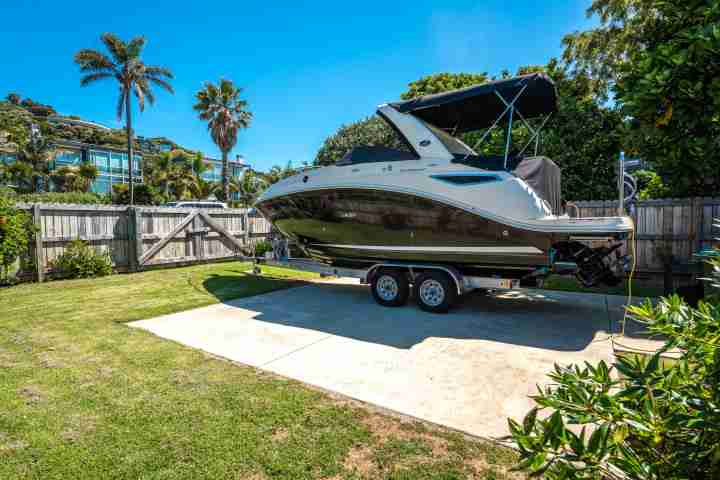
387, 288
431, 292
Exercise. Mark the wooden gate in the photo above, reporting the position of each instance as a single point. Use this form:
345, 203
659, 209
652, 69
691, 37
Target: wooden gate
163, 236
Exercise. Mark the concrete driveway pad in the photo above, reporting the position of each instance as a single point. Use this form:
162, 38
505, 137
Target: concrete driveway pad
469, 369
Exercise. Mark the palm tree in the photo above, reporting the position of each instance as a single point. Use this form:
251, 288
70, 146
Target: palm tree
134, 77
203, 189
225, 112
75, 178
249, 187
33, 166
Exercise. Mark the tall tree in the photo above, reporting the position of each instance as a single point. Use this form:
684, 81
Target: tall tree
248, 187
125, 66
225, 113
32, 169
661, 60
369, 131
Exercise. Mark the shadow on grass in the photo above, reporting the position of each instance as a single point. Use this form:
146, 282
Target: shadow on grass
244, 284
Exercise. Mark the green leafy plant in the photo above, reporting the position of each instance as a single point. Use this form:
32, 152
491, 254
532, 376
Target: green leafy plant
79, 260
262, 247
143, 194
82, 198
641, 418
662, 62
16, 229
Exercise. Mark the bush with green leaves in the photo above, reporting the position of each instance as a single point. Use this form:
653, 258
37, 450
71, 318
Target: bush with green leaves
16, 229
79, 260
642, 418
143, 194
78, 198
262, 247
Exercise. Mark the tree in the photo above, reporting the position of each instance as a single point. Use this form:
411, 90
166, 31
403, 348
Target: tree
74, 178
226, 113
662, 62
370, 131
178, 175
656, 419
16, 229
13, 98
134, 77
443, 82
203, 189
277, 173
32, 169
249, 186
144, 195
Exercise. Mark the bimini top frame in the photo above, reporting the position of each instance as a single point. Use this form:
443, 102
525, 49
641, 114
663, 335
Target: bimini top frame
485, 106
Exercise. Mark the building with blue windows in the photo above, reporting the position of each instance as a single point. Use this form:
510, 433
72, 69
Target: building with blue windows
111, 162
214, 172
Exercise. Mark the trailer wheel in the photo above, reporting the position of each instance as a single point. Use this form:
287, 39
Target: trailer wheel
390, 288
435, 292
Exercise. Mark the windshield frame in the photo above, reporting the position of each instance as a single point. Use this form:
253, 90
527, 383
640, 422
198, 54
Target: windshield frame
453, 144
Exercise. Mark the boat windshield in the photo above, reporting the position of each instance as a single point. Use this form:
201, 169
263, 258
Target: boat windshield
454, 145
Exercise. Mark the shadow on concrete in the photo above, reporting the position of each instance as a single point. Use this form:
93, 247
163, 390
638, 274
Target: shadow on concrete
559, 321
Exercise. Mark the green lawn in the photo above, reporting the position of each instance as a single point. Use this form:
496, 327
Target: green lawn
84, 396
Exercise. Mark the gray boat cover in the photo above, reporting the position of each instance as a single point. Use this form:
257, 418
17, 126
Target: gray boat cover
543, 175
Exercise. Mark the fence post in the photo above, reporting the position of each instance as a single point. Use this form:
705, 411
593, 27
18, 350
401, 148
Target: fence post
134, 239
39, 252
246, 217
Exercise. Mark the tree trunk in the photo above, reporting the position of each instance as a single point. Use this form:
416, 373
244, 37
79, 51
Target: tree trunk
128, 130
225, 176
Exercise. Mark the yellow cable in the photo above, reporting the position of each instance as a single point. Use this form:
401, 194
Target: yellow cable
633, 248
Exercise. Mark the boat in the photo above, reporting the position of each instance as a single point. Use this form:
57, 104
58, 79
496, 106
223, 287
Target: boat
439, 202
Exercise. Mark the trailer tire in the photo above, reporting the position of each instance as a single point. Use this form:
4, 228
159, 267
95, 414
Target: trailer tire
435, 291
390, 288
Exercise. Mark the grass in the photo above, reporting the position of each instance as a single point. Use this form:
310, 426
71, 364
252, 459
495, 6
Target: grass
84, 396
568, 284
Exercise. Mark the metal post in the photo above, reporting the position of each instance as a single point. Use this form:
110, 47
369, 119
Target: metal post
621, 184
537, 143
509, 135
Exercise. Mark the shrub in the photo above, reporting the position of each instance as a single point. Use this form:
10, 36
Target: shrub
143, 194
661, 419
16, 229
81, 261
262, 247
84, 198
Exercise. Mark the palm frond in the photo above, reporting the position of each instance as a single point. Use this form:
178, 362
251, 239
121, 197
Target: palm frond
135, 47
92, 61
140, 95
117, 48
161, 83
120, 108
156, 71
144, 87
93, 77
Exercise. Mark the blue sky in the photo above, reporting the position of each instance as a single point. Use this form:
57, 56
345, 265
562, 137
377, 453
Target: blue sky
306, 67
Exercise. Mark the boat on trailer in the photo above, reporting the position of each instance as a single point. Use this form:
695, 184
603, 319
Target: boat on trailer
439, 203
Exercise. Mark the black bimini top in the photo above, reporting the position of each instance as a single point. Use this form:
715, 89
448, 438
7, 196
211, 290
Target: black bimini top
478, 107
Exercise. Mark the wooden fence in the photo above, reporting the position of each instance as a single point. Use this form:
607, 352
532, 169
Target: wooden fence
140, 237
673, 229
